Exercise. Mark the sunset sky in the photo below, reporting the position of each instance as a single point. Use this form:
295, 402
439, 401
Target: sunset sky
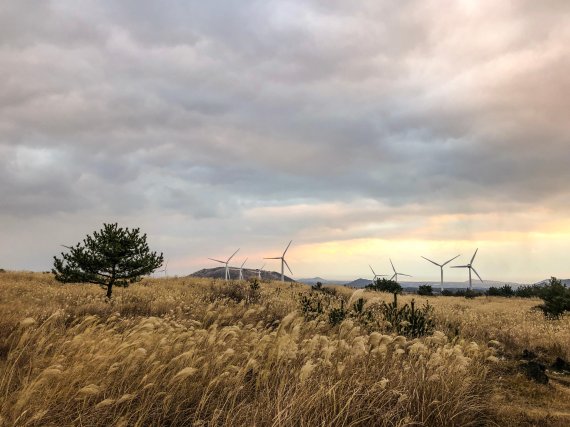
361, 130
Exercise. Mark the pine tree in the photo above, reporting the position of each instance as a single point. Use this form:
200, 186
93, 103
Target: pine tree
113, 256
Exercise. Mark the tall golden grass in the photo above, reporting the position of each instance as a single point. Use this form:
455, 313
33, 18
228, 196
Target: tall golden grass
166, 352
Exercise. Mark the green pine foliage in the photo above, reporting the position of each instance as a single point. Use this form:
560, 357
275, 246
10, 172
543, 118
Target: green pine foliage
556, 297
385, 285
112, 256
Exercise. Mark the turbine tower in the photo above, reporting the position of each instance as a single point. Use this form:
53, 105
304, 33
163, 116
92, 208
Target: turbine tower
283, 262
470, 267
259, 271
375, 275
240, 269
227, 275
441, 267
395, 275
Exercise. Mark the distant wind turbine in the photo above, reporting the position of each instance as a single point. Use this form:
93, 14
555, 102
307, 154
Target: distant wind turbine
165, 270
259, 271
396, 273
240, 269
375, 275
227, 275
283, 262
440, 266
470, 267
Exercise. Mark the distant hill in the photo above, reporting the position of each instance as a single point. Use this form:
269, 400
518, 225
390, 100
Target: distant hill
546, 281
359, 283
314, 280
219, 273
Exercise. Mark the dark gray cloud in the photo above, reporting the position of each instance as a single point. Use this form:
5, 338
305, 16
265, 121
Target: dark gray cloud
207, 112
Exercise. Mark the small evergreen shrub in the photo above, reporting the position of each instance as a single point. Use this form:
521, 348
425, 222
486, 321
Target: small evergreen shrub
556, 297
408, 319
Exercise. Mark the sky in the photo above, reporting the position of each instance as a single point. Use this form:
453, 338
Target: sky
362, 131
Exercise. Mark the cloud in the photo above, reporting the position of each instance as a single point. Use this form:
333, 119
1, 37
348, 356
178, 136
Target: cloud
250, 120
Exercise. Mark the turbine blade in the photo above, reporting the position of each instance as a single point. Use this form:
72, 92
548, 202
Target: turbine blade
392, 266
372, 270
433, 262
243, 263
276, 257
460, 266
287, 249
262, 266
402, 274
472, 259
394, 275
233, 255
475, 271
450, 260
217, 260
288, 268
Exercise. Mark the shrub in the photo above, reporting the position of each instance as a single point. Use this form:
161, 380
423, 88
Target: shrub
236, 291
425, 290
318, 287
409, 320
503, 291
385, 285
556, 297
467, 293
528, 291
337, 315
311, 305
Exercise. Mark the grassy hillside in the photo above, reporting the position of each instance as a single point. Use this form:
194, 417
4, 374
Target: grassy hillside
200, 353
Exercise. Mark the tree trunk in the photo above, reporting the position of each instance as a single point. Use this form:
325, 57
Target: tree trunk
109, 290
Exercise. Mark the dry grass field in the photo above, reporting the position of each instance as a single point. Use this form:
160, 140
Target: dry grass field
188, 352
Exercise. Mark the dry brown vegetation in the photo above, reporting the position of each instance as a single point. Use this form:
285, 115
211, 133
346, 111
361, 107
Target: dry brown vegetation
192, 352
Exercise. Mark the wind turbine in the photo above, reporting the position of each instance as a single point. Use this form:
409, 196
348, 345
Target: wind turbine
164, 270
283, 262
470, 267
259, 271
240, 269
227, 275
375, 275
396, 273
440, 266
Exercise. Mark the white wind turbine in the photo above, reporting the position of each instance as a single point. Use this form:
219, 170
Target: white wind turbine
470, 267
395, 275
440, 266
227, 275
375, 275
240, 269
259, 271
283, 262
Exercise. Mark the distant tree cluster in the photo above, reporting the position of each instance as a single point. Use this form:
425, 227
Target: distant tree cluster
503, 291
425, 290
385, 285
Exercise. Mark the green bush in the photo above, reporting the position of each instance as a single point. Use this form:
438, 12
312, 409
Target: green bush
556, 297
503, 291
528, 291
425, 290
385, 285
407, 319
311, 305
